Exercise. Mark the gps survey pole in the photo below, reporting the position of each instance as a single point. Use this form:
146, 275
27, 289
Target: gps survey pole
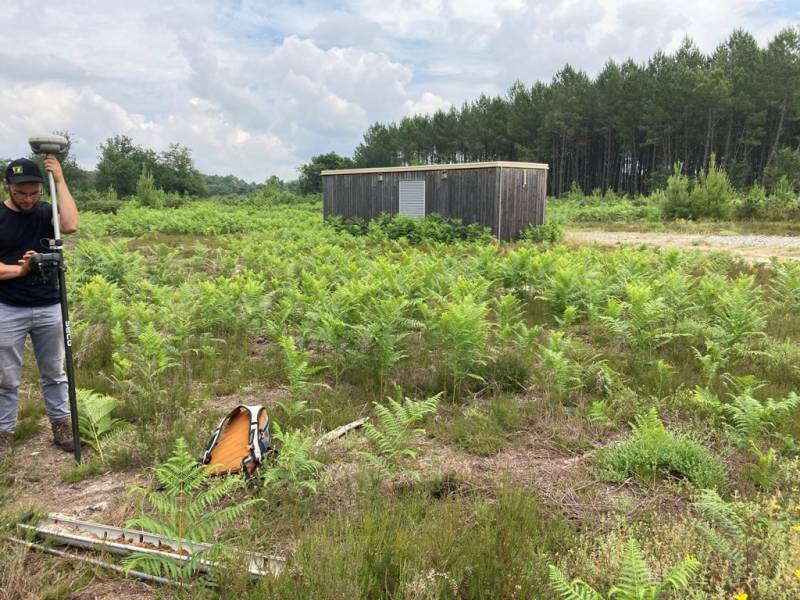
56, 144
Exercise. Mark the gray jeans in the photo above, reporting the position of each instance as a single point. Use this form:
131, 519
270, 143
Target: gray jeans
43, 323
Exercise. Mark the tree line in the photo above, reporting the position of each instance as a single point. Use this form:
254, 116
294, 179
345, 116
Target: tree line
625, 128
122, 164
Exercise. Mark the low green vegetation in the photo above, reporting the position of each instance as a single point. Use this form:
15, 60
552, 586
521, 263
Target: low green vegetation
635, 580
533, 408
432, 228
653, 452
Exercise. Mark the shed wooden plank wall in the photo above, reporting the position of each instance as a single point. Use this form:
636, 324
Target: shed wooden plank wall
521, 201
472, 195
466, 194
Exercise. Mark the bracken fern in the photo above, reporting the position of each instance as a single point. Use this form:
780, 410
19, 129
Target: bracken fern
723, 528
395, 424
292, 463
183, 511
635, 582
97, 427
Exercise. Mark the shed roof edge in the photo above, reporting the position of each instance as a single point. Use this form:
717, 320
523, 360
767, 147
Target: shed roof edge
443, 167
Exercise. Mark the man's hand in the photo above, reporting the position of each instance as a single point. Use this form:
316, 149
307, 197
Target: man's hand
21, 269
25, 261
68, 210
51, 164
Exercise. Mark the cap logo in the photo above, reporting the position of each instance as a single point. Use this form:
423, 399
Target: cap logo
17, 169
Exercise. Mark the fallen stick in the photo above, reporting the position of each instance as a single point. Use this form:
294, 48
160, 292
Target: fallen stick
339, 432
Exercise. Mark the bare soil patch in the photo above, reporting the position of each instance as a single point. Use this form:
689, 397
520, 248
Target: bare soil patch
36, 469
117, 589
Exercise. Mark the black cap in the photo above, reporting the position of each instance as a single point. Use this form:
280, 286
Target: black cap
22, 170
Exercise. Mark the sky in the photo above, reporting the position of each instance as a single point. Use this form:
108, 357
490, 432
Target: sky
256, 88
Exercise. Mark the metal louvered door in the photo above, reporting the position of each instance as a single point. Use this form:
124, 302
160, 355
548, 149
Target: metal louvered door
412, 197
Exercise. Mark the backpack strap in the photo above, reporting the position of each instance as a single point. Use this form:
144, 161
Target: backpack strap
259, 440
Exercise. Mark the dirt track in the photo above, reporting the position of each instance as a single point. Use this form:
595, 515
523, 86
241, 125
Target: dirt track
754, 248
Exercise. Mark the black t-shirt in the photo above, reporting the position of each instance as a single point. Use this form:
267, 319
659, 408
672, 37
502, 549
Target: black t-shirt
20, 232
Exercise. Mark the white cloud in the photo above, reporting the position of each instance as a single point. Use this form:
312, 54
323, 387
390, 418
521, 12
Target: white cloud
48, 106
257, 88
426, 105
227, 148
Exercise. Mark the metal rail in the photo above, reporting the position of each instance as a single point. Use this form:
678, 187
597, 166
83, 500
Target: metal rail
96, 536
98, 563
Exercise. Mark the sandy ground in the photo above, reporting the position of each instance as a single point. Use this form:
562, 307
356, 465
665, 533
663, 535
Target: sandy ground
753, 248
36, 468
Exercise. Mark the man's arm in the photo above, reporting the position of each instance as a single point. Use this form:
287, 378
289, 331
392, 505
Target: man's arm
67, 209
19, 270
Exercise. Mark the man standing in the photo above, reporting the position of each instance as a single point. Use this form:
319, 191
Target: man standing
30, 303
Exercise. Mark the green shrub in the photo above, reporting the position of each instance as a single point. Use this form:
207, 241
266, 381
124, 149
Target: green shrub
431, 228
353, 226
753, 203
551, 231
575, 193
782, 194
609, 208
712, 197
677, 201
654, 452
147, 193
93, 201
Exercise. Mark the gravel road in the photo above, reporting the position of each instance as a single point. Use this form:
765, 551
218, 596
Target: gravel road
755, 248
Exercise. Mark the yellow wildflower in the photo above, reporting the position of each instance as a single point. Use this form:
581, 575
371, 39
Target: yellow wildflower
796, 528
797, 573
688, 557
740, 596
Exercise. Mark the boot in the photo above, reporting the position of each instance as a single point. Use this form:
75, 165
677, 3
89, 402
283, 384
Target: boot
6, 444
62, 435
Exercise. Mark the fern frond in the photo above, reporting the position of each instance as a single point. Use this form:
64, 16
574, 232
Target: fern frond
647, 422
204, 528
599, 412
721, 514
384, 468
723, 547
213, 494
152, 525
634, 572
679, 577
571, 590
157, 565
163, 504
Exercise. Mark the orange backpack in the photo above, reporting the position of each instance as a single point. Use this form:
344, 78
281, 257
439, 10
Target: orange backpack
241, 441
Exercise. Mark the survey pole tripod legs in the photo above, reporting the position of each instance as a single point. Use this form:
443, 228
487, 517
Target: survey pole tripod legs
56, 145
57, 247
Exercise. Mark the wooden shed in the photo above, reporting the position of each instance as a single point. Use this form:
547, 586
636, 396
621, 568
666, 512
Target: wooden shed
504, 196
